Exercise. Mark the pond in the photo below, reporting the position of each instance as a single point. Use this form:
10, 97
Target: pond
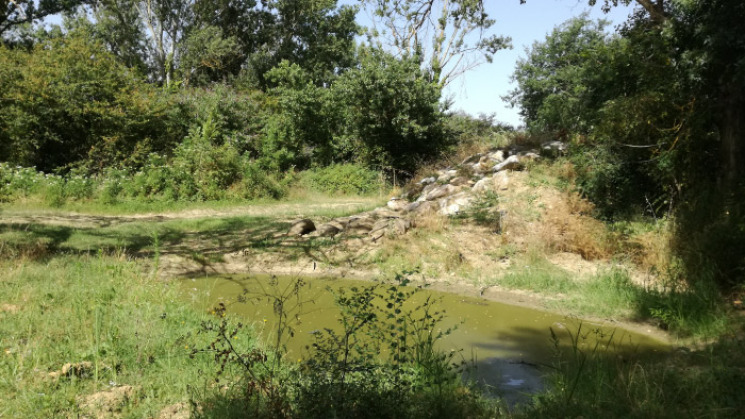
507, 343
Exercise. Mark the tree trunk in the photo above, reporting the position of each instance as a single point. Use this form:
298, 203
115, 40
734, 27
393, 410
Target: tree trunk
732, 157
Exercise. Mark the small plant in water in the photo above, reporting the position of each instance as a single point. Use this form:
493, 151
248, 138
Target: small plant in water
381, 361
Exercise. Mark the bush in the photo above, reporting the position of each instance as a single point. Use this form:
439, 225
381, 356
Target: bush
392, 114
350, 179
70, 99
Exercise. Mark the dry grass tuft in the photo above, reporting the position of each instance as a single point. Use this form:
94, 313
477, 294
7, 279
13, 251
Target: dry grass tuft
547, 219
652, 251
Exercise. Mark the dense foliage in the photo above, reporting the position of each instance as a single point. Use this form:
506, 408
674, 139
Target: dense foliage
197, 102
655, 114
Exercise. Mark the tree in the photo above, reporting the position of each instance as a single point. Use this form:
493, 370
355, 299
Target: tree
392, 114
17, 12
205, 41
450, 36
559, 84
315, 34
68, 99
658, 9
670, 131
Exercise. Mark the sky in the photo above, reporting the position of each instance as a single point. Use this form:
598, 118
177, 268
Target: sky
480, 90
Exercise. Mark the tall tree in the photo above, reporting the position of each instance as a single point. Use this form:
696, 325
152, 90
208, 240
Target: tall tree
449, 36
18, 12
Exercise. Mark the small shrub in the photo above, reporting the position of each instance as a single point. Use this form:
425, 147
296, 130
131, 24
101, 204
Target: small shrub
484, 211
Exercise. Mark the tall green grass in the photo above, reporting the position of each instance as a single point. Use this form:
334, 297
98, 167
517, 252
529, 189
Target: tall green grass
101, 309
694, 311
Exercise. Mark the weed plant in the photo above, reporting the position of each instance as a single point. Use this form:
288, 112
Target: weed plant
381, 361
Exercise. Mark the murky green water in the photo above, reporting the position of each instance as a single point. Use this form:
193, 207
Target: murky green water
485, 329
506, 343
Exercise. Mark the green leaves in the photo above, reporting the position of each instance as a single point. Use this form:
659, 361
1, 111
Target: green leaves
439, 33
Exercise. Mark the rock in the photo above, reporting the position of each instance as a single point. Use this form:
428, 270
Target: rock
501, 181
427, 181
455, 204
360, 225
107, 404
328, 230
401, 226
553, 149
447, 175
397, 204
459, 181
483, 185
440, 192
341, 222
472, 159
412, 190
385, 213
485, 164
497, 156
530, 156
301, 227
511, 163
423, 207
380, 225
427, 189
380, 228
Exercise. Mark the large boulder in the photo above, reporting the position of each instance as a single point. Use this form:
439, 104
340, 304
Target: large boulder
483, 185
427, 189
497, 156
328, 230
360, 225
397, 204
455, 204
511, 163
423, 207
460, 181
440, 192
485, 164
501, 181
301, 227
402, 225
447, 175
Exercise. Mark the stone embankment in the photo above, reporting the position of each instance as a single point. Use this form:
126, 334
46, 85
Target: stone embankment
449, 192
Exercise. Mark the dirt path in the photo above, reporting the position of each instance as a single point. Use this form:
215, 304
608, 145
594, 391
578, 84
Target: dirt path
274, 210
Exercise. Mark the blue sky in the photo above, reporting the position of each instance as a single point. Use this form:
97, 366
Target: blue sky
481, 89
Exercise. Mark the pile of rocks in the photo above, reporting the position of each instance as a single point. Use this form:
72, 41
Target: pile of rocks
448, 192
